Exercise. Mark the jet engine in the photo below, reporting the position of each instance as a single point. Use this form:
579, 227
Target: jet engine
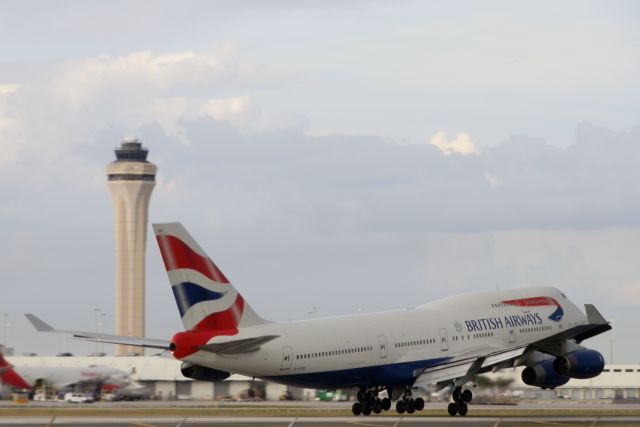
580, 364
543, 375
202, 373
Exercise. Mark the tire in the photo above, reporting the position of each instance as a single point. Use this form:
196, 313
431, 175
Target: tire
452, 409
466, 396
377, 406
386, 404
456, 394
401, 406
360, 396
419, 404
366, 410
462, 409
411, 407
356, 409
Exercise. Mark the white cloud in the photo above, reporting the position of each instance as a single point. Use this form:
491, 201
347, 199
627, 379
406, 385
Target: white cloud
241, 111
461, 144
492, 180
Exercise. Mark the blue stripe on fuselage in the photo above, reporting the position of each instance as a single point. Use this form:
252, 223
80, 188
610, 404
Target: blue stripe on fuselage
188, 294
392, 374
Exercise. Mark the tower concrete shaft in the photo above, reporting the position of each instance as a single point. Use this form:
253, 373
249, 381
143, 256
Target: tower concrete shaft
131, 179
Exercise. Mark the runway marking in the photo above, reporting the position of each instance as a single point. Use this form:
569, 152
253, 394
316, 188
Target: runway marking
358, 423
398, 422
182, 422
293, 422
550, 423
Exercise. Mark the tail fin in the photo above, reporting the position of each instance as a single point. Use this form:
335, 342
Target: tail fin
206, 300
9, 376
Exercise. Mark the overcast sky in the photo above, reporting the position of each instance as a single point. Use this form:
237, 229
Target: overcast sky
362, 156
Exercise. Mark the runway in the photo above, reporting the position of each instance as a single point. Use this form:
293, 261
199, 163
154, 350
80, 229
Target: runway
320, 421
308, 414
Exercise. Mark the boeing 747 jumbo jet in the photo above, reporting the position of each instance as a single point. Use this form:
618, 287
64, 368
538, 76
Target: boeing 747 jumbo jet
387, 355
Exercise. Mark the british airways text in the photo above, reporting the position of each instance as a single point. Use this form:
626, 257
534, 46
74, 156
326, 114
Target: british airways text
490, 323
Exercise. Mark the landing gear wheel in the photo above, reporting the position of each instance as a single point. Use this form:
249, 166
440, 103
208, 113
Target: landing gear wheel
411, 407
362, 393
377, 406
368, 407
456, 394
356, 409
401, 406
462, 409
386, 403
419, 404
466, 396
452, 409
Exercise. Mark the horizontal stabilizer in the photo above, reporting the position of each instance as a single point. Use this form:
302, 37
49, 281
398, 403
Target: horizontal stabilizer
42, 326
39, 324
246, 345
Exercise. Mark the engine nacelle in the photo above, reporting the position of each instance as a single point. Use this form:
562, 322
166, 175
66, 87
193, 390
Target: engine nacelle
202, 373
543, 375
580, 364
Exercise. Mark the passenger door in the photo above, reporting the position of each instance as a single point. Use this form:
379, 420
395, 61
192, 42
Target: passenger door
287, 356
444, 341
382, 342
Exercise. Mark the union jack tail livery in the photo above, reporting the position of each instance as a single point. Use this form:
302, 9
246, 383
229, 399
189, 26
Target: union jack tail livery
206, 300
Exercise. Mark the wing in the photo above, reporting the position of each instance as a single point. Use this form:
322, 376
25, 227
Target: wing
42, 326
464, 366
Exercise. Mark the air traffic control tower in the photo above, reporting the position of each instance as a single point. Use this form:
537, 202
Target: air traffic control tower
131, 179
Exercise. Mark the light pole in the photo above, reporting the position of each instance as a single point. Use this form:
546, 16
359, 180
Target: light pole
5, 325
99, 322
101, 329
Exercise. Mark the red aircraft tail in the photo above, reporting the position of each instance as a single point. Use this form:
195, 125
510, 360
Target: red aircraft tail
10, 376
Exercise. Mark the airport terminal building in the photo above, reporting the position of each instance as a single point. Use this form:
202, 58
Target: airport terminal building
158, 377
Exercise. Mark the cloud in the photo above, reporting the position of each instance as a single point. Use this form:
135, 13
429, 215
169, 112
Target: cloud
461, 144
266, 194
241, 111
492, 180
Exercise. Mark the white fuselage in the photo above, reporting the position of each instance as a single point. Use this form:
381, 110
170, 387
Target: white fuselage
64, 376
386, 348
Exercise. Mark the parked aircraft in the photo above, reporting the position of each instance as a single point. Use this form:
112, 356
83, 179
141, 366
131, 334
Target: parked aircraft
27, 377
444, 343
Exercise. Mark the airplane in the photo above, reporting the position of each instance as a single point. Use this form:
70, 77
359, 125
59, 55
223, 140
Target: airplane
443, 344
28, 377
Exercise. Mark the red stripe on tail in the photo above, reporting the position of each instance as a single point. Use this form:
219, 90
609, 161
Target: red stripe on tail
227, 320
11, 377
176, 254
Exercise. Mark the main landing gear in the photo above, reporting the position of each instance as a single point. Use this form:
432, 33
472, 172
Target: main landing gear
408, 404
460, 400
368, 401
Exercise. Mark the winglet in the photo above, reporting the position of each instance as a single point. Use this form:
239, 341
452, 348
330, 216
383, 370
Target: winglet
39, 324
593, 315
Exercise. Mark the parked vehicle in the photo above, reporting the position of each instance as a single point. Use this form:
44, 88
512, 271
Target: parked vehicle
78, 398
